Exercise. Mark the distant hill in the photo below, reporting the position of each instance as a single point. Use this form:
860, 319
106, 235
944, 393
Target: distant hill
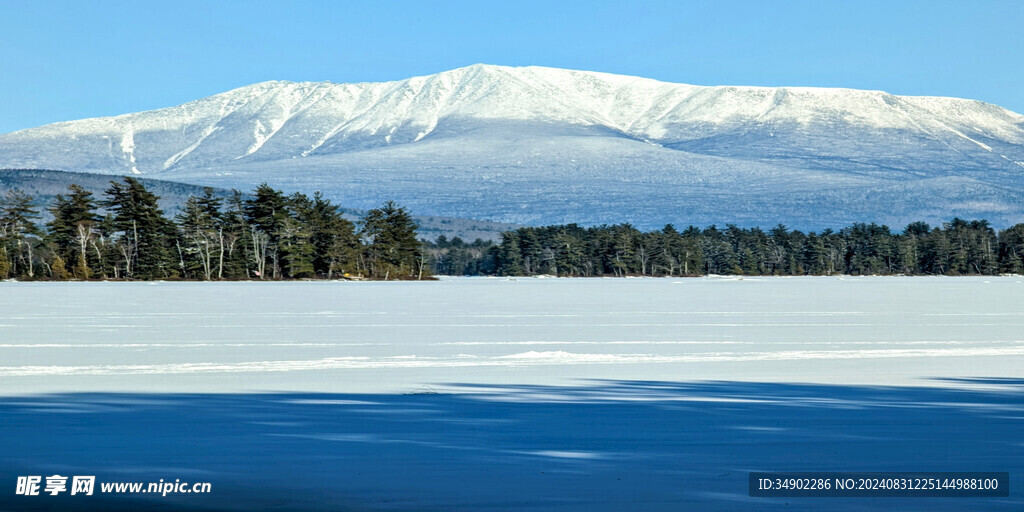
45, 184
536, 145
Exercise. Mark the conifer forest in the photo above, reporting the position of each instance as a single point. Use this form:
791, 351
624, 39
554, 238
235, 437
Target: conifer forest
269, 235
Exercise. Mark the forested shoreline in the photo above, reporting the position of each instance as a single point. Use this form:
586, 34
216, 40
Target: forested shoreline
958, 247
269, 235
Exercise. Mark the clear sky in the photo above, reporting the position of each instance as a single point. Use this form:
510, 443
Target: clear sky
74, 59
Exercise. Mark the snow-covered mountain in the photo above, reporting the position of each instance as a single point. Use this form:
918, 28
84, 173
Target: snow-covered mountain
543, 145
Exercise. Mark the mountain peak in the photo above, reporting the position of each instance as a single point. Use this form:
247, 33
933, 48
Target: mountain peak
468, 128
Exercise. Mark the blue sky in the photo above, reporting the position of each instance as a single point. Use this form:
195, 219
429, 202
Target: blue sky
75, 59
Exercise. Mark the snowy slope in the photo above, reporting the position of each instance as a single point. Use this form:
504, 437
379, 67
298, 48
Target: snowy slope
498, 142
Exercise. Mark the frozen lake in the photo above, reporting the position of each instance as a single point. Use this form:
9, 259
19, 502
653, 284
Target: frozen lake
551, 394
401, 336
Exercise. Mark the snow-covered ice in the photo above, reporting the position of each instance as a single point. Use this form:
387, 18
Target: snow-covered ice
394, 337
501, 394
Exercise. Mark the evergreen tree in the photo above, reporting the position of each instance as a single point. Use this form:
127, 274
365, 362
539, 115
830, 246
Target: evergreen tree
666, 251
508, 256
390, 245
719, 256
238, 240
108, 248
5, 264
58, 270
1011, 250
72, 230
333, 238
570, 258
18, 232
201, 230
815, 256
531, 251
983, 252
267, 210
690, 253
294, 238
145, 238
81, 269
935, 253
265, 215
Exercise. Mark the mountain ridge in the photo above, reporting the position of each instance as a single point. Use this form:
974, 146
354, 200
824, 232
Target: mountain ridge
492, 135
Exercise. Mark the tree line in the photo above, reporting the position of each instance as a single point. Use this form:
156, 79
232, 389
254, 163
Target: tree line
270, 235
958, 247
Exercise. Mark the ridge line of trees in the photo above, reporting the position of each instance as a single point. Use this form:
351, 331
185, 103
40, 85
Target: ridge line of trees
272, 236
958, 247
126, 235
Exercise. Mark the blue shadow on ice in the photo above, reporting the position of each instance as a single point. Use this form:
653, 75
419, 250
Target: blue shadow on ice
606, 445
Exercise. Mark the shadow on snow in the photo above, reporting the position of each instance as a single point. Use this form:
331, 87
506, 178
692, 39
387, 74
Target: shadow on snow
606, 445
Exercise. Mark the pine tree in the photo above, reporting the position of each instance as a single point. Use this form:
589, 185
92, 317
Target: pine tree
267, 210
294, 237
815, 256
58, 270
5, 264
201, 232
238, 243
81, 269
146, 239
508, 257
392, 249
333, 238
1011, 250
265, 215
18, 233
719, 254
72, 230
107, 248
570, 258
935, 253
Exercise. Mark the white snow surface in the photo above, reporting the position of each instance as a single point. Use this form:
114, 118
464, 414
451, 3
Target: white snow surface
346, 337
474, 394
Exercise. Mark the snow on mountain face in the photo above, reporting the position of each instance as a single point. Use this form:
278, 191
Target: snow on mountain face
500, 143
